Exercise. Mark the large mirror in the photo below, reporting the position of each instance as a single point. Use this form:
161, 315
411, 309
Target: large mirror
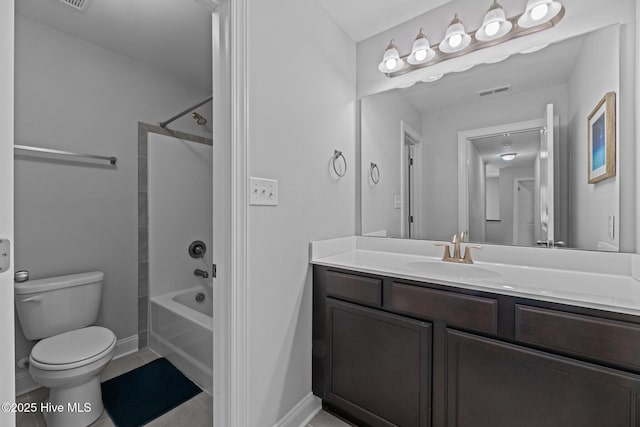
501, 151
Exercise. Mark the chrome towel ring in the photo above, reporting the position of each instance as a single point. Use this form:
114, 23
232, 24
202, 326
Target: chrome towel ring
374, 173
336, 155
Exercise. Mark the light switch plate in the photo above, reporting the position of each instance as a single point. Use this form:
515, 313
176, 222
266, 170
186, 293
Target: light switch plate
263, 192
397, 201
5, 257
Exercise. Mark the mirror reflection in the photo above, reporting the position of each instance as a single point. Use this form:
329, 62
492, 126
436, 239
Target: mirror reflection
500, 151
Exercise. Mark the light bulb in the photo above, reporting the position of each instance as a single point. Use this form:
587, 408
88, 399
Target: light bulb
492, 28
421, 54
390, 63
455, 40
539, 12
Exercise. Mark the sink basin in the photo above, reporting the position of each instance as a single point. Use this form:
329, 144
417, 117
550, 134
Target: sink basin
450, 270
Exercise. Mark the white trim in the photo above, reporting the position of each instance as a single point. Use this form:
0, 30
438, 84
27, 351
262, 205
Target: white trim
7, 326
463, 160
230, 83
239, 195
124, 347
302, 413
405, 128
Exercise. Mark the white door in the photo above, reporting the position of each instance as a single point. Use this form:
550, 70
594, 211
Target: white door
7, 370
547, 207
523, 213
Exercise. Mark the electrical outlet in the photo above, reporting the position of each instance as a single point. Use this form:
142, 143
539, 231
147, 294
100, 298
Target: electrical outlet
263, 192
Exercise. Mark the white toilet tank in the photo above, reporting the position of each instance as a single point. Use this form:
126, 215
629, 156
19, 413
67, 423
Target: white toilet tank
54, 305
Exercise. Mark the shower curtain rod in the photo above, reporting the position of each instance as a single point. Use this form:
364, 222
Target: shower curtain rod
177, 116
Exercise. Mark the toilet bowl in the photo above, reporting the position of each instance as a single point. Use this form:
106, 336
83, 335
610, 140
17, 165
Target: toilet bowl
70, 365
71, 354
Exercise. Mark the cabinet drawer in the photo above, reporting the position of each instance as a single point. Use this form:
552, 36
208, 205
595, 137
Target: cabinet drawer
475, 313
354, 288
601, 339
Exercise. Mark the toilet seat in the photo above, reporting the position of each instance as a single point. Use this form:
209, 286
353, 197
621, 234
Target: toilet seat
72, 349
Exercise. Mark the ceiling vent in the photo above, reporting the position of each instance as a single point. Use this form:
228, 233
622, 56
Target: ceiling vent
494, 91
80, 5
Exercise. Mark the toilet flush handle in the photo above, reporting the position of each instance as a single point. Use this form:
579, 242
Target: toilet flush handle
37, 298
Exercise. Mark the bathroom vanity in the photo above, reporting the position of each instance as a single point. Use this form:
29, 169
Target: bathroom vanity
400, 340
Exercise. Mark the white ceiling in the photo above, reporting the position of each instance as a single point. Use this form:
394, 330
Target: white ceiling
172, 35
525, 144
362, 19
524, 73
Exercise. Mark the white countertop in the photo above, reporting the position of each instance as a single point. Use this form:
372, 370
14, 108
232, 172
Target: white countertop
610, 287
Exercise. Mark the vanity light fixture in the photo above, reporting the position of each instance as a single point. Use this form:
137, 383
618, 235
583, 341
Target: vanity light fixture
508, 156
406, 85
421, 51
391, 61
538, 12
496, 59
467, 68
534, 49
456, 37
494, 24
539, 15
432, 79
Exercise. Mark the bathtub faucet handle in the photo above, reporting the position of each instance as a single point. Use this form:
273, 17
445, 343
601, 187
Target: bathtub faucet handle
201, 273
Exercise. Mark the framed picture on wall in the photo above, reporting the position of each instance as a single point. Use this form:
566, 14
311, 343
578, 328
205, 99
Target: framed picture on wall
601, 142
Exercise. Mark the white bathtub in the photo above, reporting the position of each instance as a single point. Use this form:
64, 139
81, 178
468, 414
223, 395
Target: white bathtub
182, 331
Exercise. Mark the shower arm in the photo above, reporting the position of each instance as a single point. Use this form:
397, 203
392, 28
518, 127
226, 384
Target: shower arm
177, 116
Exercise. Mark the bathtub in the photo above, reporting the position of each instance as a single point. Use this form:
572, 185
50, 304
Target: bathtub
182, 331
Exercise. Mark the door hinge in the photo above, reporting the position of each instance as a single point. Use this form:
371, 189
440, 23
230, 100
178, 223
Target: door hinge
214, 270
410, 219
410, 162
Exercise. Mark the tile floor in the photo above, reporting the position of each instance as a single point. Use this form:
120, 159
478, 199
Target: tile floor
193, 413
325, 419
197, 412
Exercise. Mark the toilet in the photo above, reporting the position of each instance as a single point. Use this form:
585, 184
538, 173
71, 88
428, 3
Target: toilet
70, 355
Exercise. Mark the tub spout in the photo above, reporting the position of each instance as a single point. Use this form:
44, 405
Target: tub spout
201, 273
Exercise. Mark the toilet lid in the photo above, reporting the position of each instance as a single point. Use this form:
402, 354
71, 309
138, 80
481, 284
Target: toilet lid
73, 346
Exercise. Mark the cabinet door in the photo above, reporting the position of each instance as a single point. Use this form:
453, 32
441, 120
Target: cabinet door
379, 366
495, 384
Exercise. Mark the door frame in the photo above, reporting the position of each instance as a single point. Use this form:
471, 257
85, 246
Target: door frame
464, 145
230, 187
416, 183
7, 327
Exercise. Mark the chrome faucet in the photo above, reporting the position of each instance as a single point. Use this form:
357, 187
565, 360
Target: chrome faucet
456, 240
201, 273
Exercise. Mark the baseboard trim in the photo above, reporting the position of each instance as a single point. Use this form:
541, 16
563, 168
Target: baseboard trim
25, 384
126, 346
302, 413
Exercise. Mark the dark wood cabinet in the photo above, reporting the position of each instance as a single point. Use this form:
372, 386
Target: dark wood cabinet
391, 352
379, 366
496, 384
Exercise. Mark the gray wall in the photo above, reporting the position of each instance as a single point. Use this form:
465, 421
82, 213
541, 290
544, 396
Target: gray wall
298, 114
381, 144
71, 216
595, 73
440, 130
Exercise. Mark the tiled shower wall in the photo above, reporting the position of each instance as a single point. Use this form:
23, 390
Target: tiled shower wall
143, 219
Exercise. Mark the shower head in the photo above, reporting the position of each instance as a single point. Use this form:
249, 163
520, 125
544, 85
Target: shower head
199, 119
